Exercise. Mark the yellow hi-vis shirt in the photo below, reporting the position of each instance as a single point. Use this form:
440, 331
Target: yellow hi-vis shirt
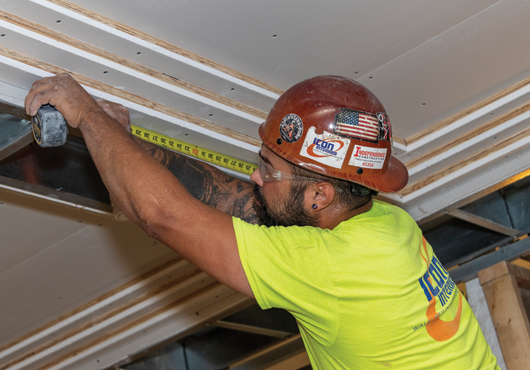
369, 294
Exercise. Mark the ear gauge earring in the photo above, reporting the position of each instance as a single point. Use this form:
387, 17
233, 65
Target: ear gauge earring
315, 206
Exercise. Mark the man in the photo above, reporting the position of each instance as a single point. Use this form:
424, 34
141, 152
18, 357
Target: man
365, 287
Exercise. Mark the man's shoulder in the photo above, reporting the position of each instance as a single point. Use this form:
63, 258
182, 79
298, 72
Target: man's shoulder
383, 213
382, 208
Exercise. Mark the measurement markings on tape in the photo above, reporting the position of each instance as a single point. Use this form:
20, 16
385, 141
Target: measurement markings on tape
194, 150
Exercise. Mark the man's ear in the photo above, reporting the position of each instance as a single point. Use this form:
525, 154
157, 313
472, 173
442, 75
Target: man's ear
321, 195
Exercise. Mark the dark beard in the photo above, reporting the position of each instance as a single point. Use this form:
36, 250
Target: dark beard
291, 213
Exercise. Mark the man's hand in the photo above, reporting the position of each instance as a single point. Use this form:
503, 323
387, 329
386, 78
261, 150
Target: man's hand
65, 94
116, 111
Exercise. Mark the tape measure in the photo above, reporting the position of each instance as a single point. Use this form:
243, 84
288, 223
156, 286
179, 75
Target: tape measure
49, 127
194, 151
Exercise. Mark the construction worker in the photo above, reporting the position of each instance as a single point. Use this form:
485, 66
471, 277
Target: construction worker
365, 287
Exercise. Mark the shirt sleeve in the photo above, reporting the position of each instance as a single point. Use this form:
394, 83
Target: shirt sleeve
288, 268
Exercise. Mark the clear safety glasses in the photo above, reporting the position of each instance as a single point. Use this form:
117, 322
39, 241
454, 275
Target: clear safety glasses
268, 173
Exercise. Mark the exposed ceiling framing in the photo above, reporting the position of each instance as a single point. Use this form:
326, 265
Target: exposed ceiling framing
82, 290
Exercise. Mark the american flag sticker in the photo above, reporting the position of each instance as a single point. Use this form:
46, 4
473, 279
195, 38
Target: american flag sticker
357, 125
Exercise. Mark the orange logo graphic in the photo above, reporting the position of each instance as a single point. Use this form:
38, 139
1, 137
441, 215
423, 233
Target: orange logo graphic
437, 328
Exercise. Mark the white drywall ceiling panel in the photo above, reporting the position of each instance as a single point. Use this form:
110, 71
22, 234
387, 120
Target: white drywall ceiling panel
466, 182
456, 69
63, 258
463, 128
92, 333
312, 37
21, 81
141, 51
151, 89
184, 318
472, 145
146, 117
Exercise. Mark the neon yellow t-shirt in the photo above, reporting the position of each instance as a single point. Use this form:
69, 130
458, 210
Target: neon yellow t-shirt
369, 294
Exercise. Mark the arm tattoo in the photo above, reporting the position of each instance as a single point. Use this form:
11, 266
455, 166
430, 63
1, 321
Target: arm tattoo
206, 183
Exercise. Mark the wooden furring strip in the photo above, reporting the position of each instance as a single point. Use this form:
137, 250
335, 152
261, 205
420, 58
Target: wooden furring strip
409, 189
163, 44
436, 127
130, 97
468, 136
400, 141
20, 22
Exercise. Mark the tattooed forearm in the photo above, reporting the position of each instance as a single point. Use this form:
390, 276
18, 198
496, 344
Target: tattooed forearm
206, 183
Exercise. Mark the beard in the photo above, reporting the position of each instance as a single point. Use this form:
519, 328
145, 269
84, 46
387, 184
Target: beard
290, 212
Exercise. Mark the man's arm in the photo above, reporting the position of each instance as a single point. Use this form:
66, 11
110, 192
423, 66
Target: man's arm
145, 190
207, 183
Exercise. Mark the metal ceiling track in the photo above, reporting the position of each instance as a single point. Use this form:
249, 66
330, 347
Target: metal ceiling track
15, 130
490, 256
483, 222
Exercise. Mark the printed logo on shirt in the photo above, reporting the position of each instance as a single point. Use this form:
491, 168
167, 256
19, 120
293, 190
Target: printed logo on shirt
438, 287
325, 148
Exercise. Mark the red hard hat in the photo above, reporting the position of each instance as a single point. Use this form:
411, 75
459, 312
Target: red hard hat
336, 127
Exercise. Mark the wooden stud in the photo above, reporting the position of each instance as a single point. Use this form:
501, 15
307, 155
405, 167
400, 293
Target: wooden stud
522, 262
501, 283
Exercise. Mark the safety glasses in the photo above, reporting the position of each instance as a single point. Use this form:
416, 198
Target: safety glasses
268, 173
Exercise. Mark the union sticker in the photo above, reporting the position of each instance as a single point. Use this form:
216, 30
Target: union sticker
385, 129
291, 128
325, 148
367, 157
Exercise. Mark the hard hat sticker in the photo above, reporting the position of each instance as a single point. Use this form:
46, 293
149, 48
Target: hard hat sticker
325, 148
385, 130
291, 128
357, 125
367, 157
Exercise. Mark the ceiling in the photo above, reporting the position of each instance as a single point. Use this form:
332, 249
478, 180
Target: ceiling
83, 290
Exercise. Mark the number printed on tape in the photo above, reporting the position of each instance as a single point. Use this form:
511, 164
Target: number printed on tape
194, 151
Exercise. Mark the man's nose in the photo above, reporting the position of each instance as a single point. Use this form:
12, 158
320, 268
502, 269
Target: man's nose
256, 177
